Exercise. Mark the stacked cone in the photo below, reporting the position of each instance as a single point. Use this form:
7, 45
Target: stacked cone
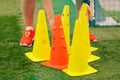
80, 48
59, 53
41, 47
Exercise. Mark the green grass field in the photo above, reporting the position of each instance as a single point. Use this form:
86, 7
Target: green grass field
14, 65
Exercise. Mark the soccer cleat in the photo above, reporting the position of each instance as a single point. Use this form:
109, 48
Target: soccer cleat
27, 38
92, 37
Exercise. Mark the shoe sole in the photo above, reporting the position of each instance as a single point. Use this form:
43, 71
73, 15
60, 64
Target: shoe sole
94, 40
25, 44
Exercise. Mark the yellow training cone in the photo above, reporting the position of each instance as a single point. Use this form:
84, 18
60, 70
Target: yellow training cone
83, 30
41, 47
78, 59
66, 26
93, 49
93, 57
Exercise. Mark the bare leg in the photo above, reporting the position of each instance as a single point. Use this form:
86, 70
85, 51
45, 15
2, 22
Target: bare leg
28, 11
49, 11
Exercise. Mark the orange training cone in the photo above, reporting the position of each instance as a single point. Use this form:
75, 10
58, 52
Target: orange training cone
59, 54
41, 47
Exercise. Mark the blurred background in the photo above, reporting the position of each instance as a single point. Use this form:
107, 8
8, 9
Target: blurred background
106, 12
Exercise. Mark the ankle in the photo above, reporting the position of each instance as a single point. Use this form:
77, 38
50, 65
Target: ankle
29, 28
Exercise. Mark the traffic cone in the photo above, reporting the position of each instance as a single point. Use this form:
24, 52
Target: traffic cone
83, 31
66, 26
59, 54
80, 48
78, 59
93, 49
41, 47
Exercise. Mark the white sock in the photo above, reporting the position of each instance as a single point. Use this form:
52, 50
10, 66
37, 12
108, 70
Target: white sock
29, 28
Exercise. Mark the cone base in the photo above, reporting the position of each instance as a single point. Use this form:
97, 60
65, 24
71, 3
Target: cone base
93, 49
90, 70
35, 59
48, 64
93, 58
